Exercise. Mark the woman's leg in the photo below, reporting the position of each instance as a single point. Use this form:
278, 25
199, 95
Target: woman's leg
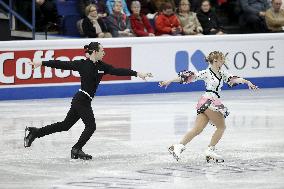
200, 123
219, 121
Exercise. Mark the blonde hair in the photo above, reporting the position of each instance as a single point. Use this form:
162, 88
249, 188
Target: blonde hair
213, 56
88, 9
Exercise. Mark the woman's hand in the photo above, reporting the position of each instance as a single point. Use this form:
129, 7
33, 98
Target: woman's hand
164, 83
252, 86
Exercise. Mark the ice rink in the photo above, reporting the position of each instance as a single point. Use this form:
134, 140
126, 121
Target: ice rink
130, 144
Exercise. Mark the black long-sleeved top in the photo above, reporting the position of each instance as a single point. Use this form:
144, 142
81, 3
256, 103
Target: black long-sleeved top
208, 21
91, 73
89, 30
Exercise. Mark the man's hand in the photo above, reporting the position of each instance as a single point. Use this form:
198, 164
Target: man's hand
144, 75
35, 64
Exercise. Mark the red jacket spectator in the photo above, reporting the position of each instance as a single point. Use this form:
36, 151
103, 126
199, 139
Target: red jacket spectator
141, 25
165, 24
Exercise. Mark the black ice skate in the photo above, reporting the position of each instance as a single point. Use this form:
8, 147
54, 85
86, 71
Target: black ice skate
28, 140
78, 153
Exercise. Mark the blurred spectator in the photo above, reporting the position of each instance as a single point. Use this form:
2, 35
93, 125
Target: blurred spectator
156, 4
48, 18
167, 22
109, 4
275, 17
195, 5
209, 20
253, 15
118, 22
100, 4
94, 26
146, 6
188, 19
46, 14
139, 22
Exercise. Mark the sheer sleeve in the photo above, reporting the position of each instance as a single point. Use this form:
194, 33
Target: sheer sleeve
189, 76
230, 79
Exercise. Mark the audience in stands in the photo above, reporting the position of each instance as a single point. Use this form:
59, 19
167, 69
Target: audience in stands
146, 6
47, 17
240, 16
46, 14
195, 5
94, 26
124, 9
275, 17
119, 22
100, 4
156, 4
188, 19
139, 22
252, 17
209, 20
167, 23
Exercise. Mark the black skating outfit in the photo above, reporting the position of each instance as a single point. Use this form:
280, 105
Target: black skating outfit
91, 74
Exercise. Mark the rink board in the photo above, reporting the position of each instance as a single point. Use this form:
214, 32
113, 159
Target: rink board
123, 89
256, 57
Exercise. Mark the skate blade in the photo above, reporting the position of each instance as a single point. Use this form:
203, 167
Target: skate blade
25, 138
74, 156
85, 158
80, 157
210, 159
175, 156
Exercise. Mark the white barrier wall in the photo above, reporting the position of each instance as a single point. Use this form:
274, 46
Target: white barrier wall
258, 57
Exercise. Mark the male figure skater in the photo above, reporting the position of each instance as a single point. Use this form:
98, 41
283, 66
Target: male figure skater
91, 71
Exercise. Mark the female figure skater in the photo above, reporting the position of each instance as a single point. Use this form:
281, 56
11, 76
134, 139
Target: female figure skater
91, 71
209, 107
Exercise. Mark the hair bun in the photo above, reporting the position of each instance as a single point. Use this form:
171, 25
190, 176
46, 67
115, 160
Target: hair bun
86, 46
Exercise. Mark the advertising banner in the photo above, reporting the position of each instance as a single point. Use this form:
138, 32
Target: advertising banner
257, 57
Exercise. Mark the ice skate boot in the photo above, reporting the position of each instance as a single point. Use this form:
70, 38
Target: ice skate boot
211, 154
78, 153
28, 140
176, 150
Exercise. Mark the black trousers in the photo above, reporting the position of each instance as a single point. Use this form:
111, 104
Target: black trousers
80, 108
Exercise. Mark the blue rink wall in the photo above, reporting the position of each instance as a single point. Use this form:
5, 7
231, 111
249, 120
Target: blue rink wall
257, 57
125, 89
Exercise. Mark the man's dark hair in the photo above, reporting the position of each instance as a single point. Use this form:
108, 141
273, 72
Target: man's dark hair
93, 46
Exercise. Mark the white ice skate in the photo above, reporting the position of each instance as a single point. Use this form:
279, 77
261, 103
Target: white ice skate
176, 150
211, 154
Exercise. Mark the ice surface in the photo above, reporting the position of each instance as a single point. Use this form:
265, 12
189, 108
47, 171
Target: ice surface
130, 144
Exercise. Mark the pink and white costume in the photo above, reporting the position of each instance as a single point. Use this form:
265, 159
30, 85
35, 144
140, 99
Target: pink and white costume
211, 98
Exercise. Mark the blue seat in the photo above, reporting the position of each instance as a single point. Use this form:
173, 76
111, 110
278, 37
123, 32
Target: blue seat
70, 25
69, 13
65, 8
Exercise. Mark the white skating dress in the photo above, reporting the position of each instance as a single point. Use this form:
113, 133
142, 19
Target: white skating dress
211, 98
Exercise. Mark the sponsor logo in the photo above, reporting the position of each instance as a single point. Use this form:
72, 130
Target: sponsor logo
15, 70
183, 61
